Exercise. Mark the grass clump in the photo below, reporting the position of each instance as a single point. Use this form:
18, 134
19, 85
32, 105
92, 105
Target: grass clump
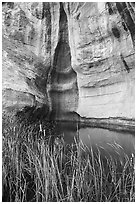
38, 166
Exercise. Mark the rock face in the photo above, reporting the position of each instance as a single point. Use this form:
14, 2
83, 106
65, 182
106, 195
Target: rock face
101, 38
72, 57
25, 69
63, 89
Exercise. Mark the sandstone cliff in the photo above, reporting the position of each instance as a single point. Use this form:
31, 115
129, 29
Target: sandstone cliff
72, 57
102, 48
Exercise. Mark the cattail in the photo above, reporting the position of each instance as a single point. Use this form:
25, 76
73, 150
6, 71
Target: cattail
40, 128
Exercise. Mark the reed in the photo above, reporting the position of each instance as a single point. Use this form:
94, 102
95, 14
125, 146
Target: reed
41, 169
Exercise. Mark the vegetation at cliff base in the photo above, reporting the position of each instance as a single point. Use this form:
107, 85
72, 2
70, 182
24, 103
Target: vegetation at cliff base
38, 166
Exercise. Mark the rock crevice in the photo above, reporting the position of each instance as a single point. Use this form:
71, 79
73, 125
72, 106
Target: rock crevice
63, 90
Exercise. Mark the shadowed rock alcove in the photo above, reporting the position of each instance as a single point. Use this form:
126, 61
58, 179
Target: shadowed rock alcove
64, 91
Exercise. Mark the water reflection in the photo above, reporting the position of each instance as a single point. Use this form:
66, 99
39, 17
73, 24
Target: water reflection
108, 143
69, 131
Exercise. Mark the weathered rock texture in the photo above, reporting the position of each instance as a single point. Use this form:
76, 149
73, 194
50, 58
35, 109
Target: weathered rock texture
70, 56
63, 91
102, 45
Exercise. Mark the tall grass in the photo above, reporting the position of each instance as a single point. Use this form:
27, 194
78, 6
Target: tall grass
42, 168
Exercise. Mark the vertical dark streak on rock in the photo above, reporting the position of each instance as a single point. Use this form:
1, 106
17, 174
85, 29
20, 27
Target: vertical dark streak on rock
116, 32
124, 26
47, 15
126, 16
131, 10
68, 9
110, 10
125, 64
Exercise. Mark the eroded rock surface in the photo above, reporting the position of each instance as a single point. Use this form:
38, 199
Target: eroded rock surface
28, 47
101, 38
63, 88
76, 56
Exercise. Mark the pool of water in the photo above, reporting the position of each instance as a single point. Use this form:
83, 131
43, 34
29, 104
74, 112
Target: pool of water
116, 144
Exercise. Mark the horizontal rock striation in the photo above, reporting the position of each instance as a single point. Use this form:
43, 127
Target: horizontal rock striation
63, 89
20, 79
101, 37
